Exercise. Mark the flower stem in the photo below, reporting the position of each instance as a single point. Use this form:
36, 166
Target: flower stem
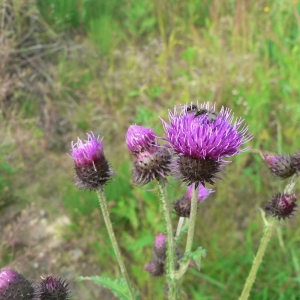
105, 213
190, 236
165, 206
258, 258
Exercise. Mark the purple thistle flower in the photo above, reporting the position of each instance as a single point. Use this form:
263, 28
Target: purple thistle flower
151, 160
91, 167
14, 286
282, 205
202, 138
182, 206
160, 247
139, 139
54, 288
282, 166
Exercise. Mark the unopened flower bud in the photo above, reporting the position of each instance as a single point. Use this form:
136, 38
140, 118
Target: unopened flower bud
182, 206
282, 205
280, 165
52, 288
160, 247
91, 167
296, 161
14, 286
155, 268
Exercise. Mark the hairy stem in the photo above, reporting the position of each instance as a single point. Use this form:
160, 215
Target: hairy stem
258, 258
165, 206
105, 213
190, 236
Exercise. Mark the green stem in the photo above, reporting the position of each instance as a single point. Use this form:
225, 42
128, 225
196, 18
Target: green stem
173, 284
258, 258
105, 213
190, 236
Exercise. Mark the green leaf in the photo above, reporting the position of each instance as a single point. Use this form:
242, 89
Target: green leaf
195, 256
118, 286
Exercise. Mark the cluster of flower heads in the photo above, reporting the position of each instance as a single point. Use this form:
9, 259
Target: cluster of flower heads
15, 286
282, 166
91, 167
182, 206
156, 267
198, 139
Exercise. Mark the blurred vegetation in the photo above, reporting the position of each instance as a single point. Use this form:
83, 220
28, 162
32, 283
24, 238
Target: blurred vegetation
72, 66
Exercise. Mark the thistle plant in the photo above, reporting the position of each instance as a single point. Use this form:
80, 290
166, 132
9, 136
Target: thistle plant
280, 206
198, 140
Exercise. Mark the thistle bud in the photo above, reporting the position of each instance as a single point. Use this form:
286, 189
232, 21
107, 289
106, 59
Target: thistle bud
151, 160
182, 206
160, 247
280, 165
91, 167
296, 161
282, 205
14, 286
155, 268
52, 288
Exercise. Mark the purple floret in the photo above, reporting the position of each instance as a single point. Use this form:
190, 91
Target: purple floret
140, 138
86, 152
203, 137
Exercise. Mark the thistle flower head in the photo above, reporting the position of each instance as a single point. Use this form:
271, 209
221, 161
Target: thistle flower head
151, 160
14, 286
281, 166
201, 138
160, 247
139, 139
91, 167
182, 206
282, 205
52, 288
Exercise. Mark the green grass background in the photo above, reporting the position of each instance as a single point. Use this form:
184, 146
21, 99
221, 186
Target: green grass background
136, 60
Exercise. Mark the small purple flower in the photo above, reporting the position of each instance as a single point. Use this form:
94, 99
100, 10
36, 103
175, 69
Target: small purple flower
282, 166
91, 167
151, 160
54, 288
160, 247
182, 206
202, 138
282, 205
14, 286
139, 139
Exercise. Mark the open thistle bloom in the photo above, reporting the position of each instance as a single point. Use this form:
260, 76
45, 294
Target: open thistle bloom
91, 167
201, 138
182, 206
14, 286
281, 166
282, 205
54, 288
151, 160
